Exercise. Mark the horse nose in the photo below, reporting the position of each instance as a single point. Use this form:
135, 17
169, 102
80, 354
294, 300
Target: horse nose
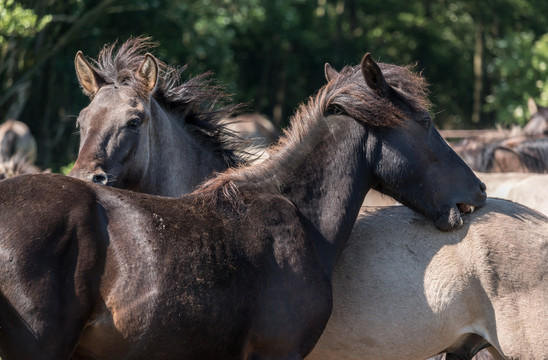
99, 178
482, 186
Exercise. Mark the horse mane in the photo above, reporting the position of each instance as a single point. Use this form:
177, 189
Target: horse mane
533, 153
199, 103
345, 94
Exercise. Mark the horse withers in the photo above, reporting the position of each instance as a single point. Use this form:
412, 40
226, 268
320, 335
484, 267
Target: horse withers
241, 267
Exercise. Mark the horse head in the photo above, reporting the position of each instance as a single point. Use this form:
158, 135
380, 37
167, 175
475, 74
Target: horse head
145, 129
409, 159
114, 126
538, 123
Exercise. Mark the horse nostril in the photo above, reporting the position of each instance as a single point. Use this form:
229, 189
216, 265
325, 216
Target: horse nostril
100, 178
483, 187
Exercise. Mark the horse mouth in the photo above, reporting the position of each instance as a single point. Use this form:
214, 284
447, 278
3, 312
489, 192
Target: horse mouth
451, 218
465, 208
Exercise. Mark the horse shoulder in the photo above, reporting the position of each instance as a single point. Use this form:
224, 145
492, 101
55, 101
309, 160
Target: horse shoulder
62, 246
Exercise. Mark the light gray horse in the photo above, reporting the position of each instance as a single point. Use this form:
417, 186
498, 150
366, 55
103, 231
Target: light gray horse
404, 290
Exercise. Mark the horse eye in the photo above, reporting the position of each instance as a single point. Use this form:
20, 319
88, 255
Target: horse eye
133, 123
425, 122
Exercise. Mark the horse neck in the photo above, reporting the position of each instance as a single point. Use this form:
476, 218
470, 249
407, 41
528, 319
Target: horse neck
326, 176
178, 163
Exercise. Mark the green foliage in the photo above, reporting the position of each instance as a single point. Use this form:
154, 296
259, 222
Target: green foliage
270, 53
521, 69
66, 168
18, 21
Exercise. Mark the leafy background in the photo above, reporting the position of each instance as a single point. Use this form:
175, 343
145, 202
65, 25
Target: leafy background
484, 59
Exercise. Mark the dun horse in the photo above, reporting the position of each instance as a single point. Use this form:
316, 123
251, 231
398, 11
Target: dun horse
17, 149
526, 153
240, 268
404, 290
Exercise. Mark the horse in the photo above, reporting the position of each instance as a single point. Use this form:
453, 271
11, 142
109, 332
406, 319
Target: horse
16, 140
238, 269
520, 154
521, 150
124, 134
256, 127
17, 149
404, 290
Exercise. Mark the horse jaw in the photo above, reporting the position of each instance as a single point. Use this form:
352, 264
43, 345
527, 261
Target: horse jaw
449, 219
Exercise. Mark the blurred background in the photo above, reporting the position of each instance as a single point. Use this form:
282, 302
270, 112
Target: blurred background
483, 59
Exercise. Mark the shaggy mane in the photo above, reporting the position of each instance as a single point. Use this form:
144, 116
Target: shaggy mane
199, 103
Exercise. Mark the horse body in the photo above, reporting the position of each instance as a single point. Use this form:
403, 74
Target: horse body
524, 188
184, 278
404, 290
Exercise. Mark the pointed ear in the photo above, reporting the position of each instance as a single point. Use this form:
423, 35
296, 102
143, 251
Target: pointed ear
148, 72
373, 76
329, 72
532, 105
87, 76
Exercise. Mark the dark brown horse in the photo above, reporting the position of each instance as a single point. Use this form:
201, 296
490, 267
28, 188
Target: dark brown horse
240, 268
145, 130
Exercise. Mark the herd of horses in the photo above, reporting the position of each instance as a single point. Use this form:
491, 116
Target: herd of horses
518, 150
171, 240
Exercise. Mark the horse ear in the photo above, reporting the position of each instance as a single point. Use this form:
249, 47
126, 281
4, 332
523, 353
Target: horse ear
373, 76
329, 72
88, 77
148, 71
532, 105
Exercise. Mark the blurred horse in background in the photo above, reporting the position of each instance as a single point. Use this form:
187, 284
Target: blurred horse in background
256, 128
17, 149
538, 123
518, 150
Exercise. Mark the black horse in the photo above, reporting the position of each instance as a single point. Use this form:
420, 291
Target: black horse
239, 269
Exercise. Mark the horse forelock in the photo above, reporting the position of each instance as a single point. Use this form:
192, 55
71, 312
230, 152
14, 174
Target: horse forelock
199, 103
346, 94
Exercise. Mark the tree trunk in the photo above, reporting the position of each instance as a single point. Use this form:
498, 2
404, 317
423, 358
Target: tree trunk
478, 74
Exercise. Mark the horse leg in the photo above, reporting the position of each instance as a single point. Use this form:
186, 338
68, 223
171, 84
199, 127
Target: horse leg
494, 353
468, 348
